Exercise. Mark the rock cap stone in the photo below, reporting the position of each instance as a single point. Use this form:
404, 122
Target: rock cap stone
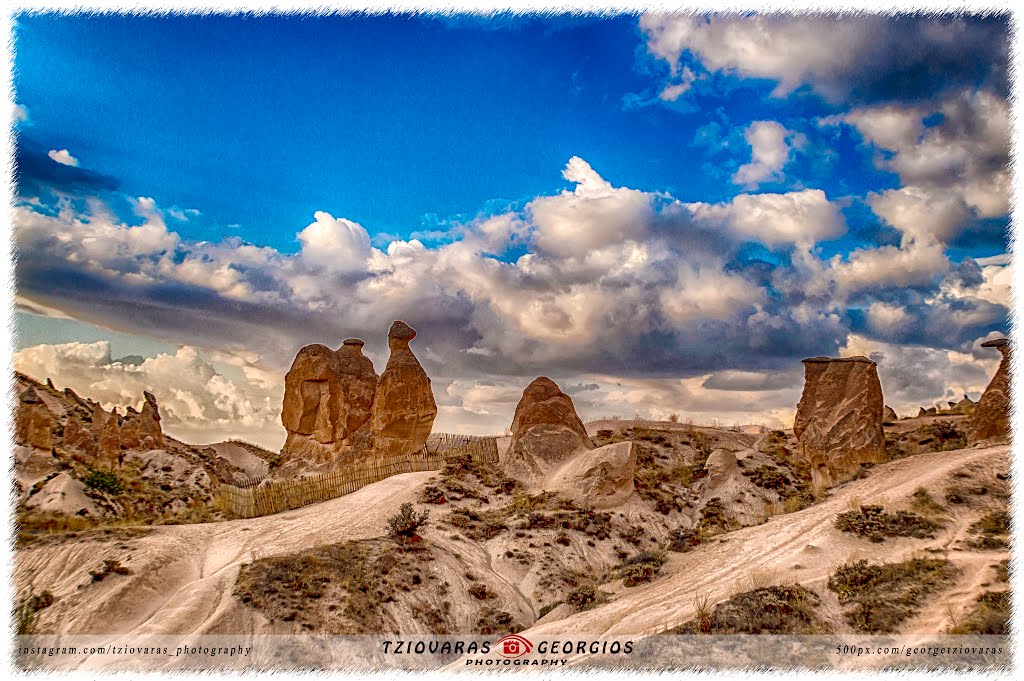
401, 331
828, 360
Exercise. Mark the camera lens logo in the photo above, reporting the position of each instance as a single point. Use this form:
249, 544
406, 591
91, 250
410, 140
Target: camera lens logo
513, 646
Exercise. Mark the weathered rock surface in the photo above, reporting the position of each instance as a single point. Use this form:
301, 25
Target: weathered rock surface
141, 430
889, 415
602, 477
721, 466
992, 414
33, 422
839, 417
403, 406
328, 398
62, 494
546, 431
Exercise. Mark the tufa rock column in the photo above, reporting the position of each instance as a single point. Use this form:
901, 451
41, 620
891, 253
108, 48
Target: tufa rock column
992, 413
328, 397
403, 406
839, 417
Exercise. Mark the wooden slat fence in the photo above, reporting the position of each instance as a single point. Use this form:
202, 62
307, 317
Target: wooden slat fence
251, 498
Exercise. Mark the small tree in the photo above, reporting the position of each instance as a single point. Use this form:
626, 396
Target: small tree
403, 525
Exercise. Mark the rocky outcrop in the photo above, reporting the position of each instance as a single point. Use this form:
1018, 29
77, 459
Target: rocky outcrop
839, 417
63, 494
889, 415
601, 478
403, 406
545, 432
328, 397
721, 466
965, 406
141, 430
992, 414
33, 422
338, 411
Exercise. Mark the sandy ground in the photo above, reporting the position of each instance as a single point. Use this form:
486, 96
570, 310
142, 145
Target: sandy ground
801, 547
182, 576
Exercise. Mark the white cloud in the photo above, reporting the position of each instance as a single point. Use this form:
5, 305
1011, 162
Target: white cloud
961, 158
839, 57
335, 243
594, 215
770, 152
62, 157
804, 217
920, 213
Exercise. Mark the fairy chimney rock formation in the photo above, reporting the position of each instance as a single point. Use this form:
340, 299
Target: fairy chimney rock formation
839, 417
545, 432
33, 422
890, 415
141, 429
992, 413
328, 397
404, 406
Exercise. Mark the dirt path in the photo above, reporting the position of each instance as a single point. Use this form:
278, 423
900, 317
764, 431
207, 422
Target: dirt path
799, 547
183, 575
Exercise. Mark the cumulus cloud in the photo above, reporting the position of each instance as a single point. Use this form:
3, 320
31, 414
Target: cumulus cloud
955, 167
63, 157
770, 150
198, 402
592, 216
335, 243
606, 282
804, 217
842, 58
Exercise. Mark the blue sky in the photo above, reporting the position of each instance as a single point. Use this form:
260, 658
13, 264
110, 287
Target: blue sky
537, 194
399, 123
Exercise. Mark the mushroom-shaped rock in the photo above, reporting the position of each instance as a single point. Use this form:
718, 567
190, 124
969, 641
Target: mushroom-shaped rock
602, 477
546, 431
839, 417
403, 406
992, 414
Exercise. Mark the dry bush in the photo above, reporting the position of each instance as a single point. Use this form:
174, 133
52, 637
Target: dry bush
790, 610
879, 598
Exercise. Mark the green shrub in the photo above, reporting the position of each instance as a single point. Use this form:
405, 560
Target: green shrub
103, 480
432, 494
